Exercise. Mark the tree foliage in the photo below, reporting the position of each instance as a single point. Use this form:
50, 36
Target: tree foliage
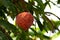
11, 8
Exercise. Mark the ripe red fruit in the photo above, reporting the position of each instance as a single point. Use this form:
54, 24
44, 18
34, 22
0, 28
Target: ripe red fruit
24, 20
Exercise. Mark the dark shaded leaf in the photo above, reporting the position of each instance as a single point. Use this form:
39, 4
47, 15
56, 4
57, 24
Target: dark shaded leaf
10, 6
5, 33
40, 3
39, 24
8, 26
47, 3
58, 1
3, 36
46, 28
2, 13
40, 35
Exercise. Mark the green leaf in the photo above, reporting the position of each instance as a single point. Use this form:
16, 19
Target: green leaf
31, 33
47, 2
49, 5
31, 2
29, 8
39, 24
10, 6
40, 3
57, 23
8, 26
3, 36
22, 36
2, 14
53, 3
49, 22
58, 1
46, 28
40, 35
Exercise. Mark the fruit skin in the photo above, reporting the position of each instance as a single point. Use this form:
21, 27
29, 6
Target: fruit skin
24, 20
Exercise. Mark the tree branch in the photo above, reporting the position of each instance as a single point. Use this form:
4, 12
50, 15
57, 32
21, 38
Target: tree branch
53, 14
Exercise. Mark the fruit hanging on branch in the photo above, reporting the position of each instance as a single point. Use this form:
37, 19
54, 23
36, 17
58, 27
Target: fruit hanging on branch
24, 20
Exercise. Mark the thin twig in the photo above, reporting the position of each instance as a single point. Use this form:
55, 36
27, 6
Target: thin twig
53, 14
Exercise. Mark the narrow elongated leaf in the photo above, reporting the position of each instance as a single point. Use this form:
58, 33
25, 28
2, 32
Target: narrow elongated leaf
58, 2
39, 24
3, 36
47, 3
5, 33
10, 6
57, 23
40, 3
46, 28
7, 25
2, 14
40, 35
